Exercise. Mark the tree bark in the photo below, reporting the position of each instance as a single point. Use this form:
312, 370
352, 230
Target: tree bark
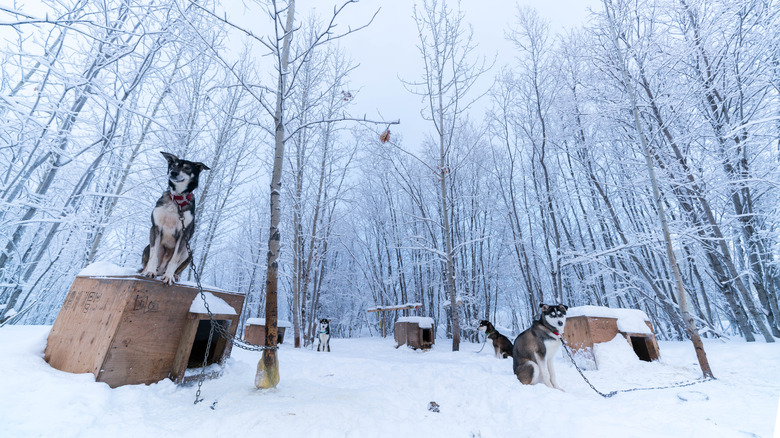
267, 375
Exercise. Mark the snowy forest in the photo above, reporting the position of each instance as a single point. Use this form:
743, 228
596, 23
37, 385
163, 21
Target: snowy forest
534, 188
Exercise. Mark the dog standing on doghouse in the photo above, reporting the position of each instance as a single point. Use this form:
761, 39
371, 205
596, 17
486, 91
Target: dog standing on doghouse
166, 255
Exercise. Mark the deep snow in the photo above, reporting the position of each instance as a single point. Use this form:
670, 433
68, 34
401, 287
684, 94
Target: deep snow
367, 388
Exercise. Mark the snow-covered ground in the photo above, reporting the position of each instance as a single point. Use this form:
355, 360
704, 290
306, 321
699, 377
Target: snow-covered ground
367, 388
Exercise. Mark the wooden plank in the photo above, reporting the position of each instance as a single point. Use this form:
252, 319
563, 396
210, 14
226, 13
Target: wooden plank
399, 333
655, 352
86, 325
602, 329
148, 335
183, 351
255, 334
577, 333
385, 309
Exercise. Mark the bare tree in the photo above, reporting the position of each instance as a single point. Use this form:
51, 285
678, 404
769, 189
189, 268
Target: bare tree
448, 76
690, 324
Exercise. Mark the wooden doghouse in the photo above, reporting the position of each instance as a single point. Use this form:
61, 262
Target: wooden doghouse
415, 331
254, 333
132, 329
588, 325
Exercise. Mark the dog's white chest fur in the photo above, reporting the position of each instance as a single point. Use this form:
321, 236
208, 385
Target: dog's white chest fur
552, 347
166, 217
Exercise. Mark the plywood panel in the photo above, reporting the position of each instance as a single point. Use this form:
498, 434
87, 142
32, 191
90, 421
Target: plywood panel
400, 333
86, 325
577, 333
255, 334
602, 329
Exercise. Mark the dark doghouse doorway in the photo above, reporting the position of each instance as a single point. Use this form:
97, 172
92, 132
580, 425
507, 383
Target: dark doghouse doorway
201, 340
427, 335
640, 347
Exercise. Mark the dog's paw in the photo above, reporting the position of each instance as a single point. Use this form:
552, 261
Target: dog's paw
148, 273
168, 280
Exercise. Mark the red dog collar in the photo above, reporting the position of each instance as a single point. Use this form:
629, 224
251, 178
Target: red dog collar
181, 200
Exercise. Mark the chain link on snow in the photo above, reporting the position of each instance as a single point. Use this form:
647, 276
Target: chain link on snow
214, 325
613, 393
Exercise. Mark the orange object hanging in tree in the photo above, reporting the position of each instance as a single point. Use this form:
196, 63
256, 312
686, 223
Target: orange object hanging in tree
385, 136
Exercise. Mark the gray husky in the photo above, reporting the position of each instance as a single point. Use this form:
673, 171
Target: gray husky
166, 255
535, 348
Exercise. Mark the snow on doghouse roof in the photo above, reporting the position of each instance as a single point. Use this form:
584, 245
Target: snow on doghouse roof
261, 321
108, 269
217, 305
628, 320
422, 321
105, 269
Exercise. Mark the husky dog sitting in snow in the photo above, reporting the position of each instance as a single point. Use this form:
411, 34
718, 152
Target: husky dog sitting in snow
166, 255
535, 348
324, 335
502, 346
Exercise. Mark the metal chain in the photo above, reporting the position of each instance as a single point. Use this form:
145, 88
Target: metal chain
612, 393
202, 376
214, 325
483, 345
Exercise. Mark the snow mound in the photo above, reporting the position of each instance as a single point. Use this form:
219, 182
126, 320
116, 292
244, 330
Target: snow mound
106, 269
216, 305
628, 320
615, 355
422, 321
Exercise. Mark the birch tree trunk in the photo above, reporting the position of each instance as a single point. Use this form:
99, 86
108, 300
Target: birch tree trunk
267, 375
690, 325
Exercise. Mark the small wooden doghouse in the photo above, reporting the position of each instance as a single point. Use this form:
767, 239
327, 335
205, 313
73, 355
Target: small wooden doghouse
131, 329
415, 331
254, 332
588, 325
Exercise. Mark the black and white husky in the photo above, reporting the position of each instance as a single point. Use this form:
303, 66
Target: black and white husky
535, 348
502, 346
166, 255
324, 335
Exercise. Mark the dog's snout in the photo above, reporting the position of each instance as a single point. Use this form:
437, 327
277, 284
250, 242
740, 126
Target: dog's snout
174, 173
560, 323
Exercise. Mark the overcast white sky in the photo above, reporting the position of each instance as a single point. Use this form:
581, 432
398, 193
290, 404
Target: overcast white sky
386, 51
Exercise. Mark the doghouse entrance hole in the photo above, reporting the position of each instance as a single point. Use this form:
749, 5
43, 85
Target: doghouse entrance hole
640, 347
200, 342
426, 335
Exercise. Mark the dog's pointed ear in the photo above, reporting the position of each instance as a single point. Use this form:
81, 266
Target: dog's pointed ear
200, 166
544, 307
563, 307
169, 157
